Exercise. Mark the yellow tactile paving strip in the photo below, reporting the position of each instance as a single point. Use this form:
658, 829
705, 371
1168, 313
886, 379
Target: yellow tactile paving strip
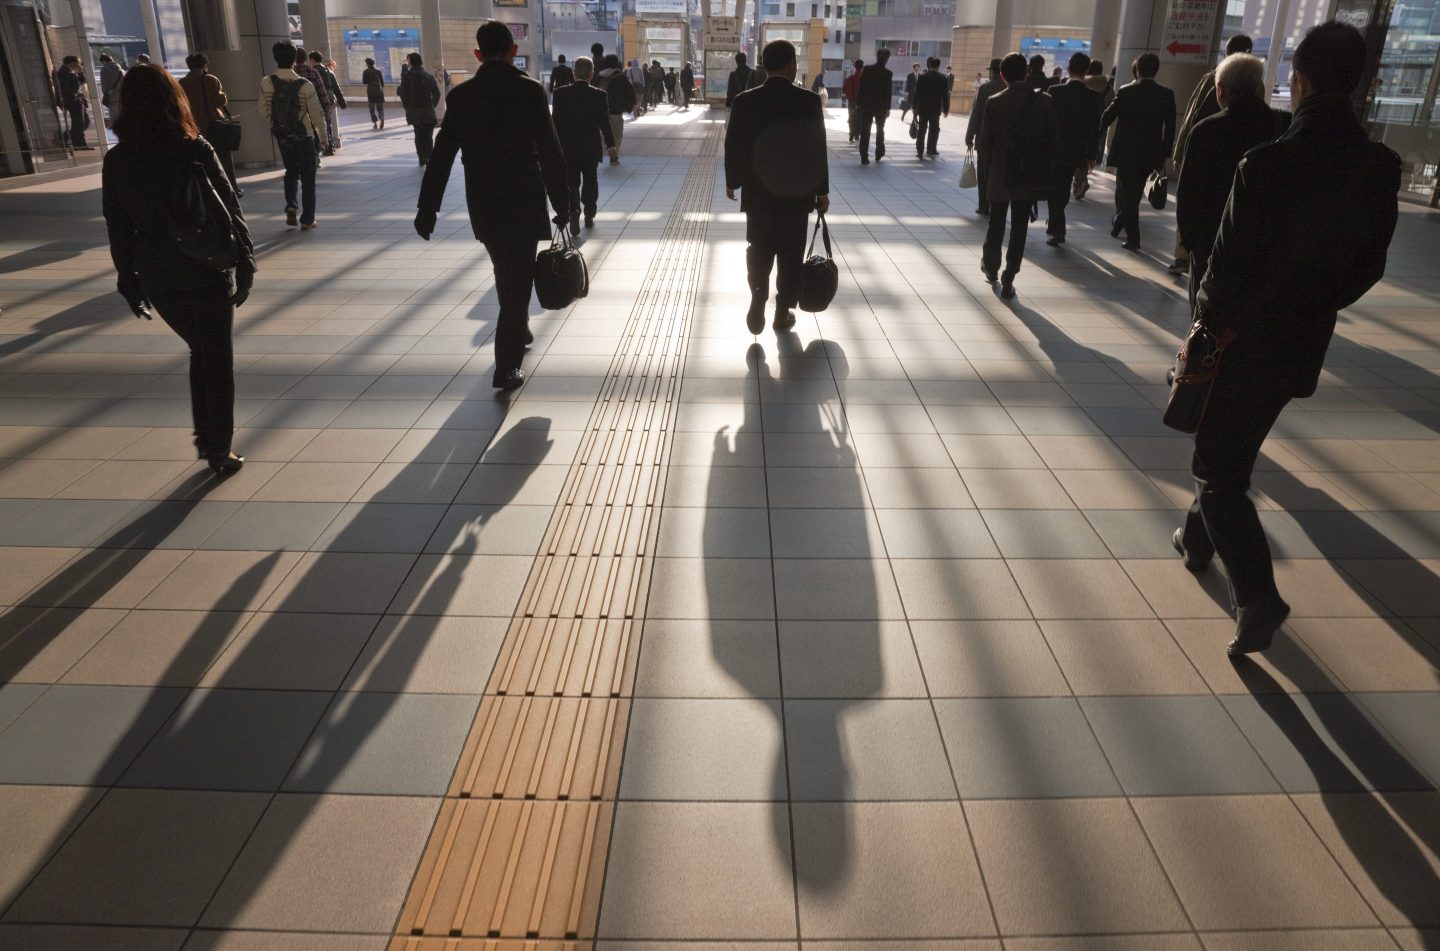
517, 855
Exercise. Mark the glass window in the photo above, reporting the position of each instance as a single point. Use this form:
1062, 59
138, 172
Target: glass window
1402, 106
790, 9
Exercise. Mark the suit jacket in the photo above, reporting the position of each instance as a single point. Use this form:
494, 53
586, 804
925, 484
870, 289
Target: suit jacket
1077, 122
977, 112
1304, 234
499, 122
582, 120
928, 99
875, 90
1145, 133
1007, 117
1204, 103
911, 79
739, 82
207, 98
775, 148
1211, 157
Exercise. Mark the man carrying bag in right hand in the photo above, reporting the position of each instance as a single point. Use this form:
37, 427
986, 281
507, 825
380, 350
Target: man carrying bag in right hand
500, 121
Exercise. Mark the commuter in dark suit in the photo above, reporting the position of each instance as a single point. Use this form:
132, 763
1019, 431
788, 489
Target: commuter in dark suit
775, 156
972, 130
1213, 152
876, 95
1304, 234
739, 80
1077, 121
1036, 78
1144, 113
500, 123
582, 120
1016, 115
928, 101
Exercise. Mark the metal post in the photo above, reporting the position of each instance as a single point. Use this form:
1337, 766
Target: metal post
1279, 32
152, 32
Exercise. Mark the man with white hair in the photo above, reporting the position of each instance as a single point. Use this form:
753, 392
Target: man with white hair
582, 120
1214, 151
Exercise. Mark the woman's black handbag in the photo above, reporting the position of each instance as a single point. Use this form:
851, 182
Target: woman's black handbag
561, 277
1197, 365
224, 134
1157, 190
198, 221
819, 276
915, 127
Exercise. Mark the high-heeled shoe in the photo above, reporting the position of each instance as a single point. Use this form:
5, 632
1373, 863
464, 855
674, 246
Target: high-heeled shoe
225, 463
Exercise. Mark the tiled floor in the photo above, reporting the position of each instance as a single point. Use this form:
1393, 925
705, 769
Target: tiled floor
915, 665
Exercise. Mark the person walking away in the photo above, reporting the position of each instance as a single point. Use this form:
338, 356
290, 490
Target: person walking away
1018, 146
70, 83
739, 80
850, 89
159, 143
972, 133
687, 86
1202, 105
291, 107
206, 97
949, 89
635, 72
1096, 80
499, 123
908, 102
875, 98
305, 70
1036, 78
374, 81
562, 75
1213, 152
670, 80
1304, 234
775, 157
336, 99
582, 120
110, 76
621, 96
1144, 116
1077, 125
420, 94
928, 102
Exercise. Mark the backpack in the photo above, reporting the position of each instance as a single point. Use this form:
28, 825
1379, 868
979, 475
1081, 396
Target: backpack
199, 222
374, 83
1028, 162
285, 121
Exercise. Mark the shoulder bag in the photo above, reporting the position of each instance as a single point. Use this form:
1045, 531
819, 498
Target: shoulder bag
197, 220
1157, 190
561, 276
968, 176
819, 276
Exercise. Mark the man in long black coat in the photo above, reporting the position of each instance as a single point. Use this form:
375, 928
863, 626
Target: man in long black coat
876, 94
775, 158
1077, 124
739, 80
582, 120
928, 101
1144, 113
1305, 233
499, 121
987, 89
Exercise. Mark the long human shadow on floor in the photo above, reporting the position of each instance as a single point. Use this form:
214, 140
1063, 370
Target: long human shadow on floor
811, 764
328, 714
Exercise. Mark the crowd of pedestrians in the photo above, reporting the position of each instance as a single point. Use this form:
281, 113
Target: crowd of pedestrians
1285, 218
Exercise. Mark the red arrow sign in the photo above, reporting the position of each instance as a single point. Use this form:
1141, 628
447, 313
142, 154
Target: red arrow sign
1175, 49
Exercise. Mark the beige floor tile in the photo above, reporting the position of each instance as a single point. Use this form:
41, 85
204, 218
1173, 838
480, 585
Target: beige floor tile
1317, 588
37, 645
1121, 657
222, 581
971, 589
1112, 489
41, 478
1109, 942
291, 652
1371, 653
987, 659
1016, 489
315, 482
1287, 667
1078, 589
1352, 939
21, 569
158, 648
123, 480
34, 822
1174, 592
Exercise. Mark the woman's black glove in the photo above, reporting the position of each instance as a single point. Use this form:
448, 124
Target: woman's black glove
244, 280
139, 305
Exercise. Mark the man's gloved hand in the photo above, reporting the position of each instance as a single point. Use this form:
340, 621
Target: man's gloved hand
139, 305
244, 280
425, 224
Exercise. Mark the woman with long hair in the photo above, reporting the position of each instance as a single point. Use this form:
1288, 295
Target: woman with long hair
141, 179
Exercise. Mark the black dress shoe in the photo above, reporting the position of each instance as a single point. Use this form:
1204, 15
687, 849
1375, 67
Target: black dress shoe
784, 318
1131, 245
1055, 240
1192, 562
1115, 231
864, 160
991, 274
1007, 287
225, 463
509, 379
755, 319
1256, 626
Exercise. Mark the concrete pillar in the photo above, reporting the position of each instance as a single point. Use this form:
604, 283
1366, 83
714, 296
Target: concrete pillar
1004, 26
1105, 31
1141, 28
152, 32
261, 24
431, 49
1279, 31
315, 26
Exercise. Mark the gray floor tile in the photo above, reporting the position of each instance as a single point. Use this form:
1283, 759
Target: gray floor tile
936, 533
987, 659
15, 699
426, 654
1174, 746
34, 822
710, 750
849, 659
1031, 748
291, 651
865, 750
270, 526
346, 582
491, 530
82, 735
720, 588
958, 590
385, 744
1039, 533
714, 533
708, 659
835, 589
381, 527
1408, 717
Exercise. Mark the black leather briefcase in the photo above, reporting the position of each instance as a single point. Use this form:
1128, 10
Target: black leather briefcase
561, 277
819, 276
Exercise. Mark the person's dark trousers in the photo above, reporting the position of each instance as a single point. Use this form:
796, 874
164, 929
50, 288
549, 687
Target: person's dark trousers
1129, 188
1199, 261
299, 157
205, 324
982, 202
514, 263
775, 237
866, 120
1222, 520
227, 163
1019, 212
929, 137
584, 186
424, 142
1056, 201
377, 109
77, 125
